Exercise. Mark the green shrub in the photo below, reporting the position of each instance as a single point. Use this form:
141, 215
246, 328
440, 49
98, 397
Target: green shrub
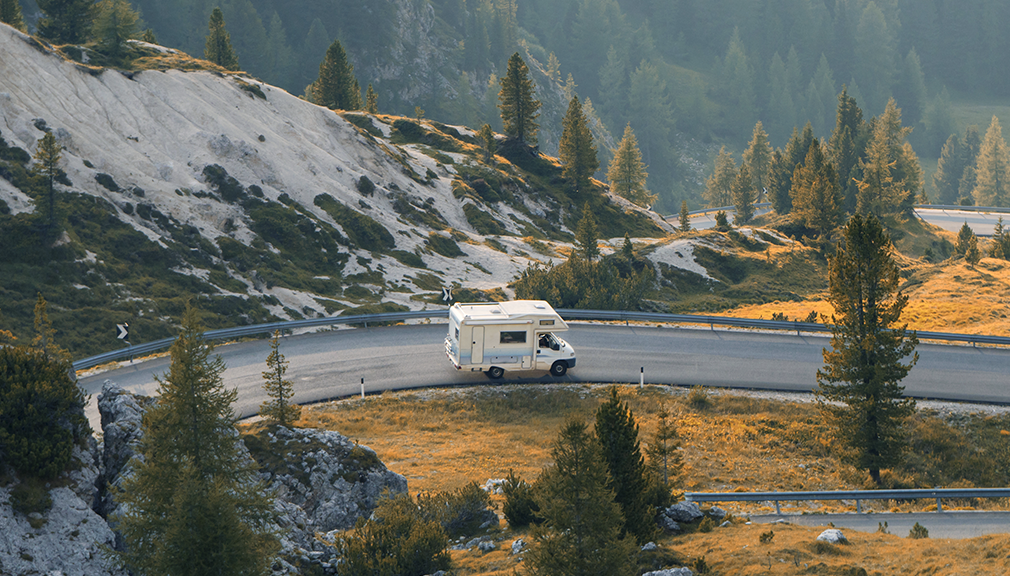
362, 230
458, 512
408, 258
227, 187
397, 541
766, 537
41, 413
107, 182
698, 398
443, 245
918, 531
365, 186
520, 508
482, 222
30, 496
706, 525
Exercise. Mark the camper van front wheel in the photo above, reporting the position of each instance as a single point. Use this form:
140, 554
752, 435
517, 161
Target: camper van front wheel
496, 372
558, 369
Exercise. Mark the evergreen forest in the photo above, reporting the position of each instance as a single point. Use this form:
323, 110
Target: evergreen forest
687, 75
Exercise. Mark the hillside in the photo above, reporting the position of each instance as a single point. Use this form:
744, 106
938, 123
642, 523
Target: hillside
253, 202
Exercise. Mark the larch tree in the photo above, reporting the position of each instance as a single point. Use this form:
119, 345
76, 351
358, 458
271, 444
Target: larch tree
371, 101
949, 170
685, 217
10, 13
885, 186
626, 172
66, 21
846, 143
47, 166
576, 149
519, 108
218, 45
719, 186
45, 334
963, 236
488, 144
617, 433
115, 23
582, 524
780, 183
744, 195
336, 87
587, 235
278, 408
665, 460
859, 386
816, 196
1000, 245
992, 169
193, 504
972, 254
758, 158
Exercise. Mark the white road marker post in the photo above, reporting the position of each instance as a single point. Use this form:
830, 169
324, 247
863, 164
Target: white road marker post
362, 387
641, 376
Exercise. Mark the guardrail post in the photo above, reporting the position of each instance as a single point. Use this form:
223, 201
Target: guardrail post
939, 507
859, 507
777, 510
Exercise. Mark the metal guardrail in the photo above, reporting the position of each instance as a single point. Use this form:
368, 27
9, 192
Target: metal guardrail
570, 314
996, 209
857, 495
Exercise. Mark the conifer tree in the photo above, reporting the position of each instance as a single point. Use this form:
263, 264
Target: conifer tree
488, 144
963, 237
886, 186
45, 334
10, 14
66, 21
665, 460
576, 149
1000, 245
780, 183
192, 503
992, 169
719, 186
47, 158
336, 87
398, 540
149, 37
858, 388
582, 523
617, 433
519, 108
846, 145
587, 236
758, 158
278, 408
685, 217
115, 24
816, 197
949, 169
627, 173
371, 101
744, 196
218, 48
972, 255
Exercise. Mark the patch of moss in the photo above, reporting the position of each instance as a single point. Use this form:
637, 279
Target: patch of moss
362, 230
482, 222
443, 245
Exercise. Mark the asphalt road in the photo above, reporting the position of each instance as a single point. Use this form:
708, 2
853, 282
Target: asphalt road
331, 364
953, 524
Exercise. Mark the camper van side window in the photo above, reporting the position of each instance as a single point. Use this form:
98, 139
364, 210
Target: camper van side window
547, 322
513, 337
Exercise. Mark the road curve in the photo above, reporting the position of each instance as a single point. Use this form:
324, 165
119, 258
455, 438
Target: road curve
332, 364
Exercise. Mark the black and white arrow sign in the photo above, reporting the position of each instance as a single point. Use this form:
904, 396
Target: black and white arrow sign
447, 293
122, 331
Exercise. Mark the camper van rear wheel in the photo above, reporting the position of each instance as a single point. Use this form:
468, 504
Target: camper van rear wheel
496, 372
558, 369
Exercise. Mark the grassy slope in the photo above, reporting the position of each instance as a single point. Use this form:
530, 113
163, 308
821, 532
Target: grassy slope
442, 439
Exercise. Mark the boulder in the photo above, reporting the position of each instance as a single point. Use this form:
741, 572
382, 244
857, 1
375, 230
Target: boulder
518, 546
667, 523
122, 415
832, 536
717, 512
684, 571
649, 547
486, 546
686, 512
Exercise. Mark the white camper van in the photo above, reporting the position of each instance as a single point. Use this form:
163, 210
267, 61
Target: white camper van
519, 335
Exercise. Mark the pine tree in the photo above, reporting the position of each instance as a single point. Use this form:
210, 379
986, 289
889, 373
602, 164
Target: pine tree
992, 169
587, 236
617, 433
758, 158
371, 101
665, 460
192, 504
398, 541
949, 169
66, 21
218, 48
846, 144
47, 158
279, 391
886, 187
149, 37
519, 109
115, 24
858, 388
719, 186
972, 255
488, 144
816, 197
582, 523
1000, 245
780, 183
685, 217
336, 87
744, 196
10, 14
627, 173
964, 235
576, 149
45, 334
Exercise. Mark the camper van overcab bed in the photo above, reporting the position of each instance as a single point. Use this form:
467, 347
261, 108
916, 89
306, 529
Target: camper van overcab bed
520, 335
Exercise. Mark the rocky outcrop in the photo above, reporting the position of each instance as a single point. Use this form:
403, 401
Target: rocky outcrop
122, 415
833, 536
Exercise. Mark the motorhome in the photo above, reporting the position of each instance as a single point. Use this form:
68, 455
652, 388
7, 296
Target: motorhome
519, 336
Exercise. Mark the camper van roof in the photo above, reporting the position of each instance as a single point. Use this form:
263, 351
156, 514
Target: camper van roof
506, 310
